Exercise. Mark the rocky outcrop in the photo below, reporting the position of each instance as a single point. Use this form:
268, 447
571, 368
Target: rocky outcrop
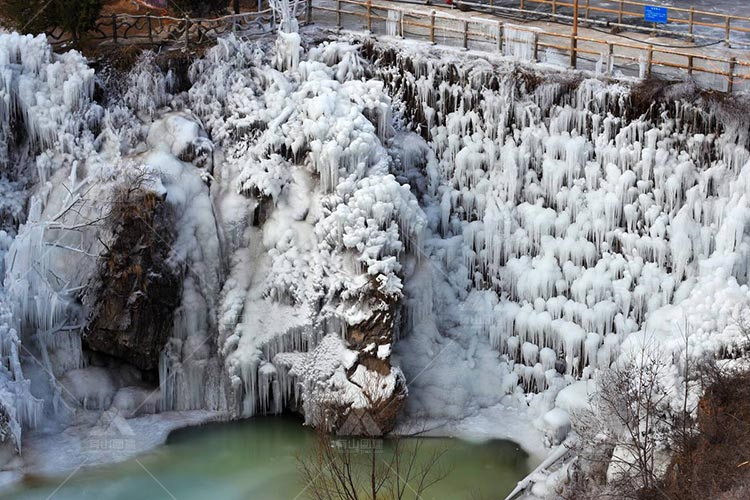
137, 289
373, 338
348, 385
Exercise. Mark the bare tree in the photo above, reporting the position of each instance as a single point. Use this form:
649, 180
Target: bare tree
362, 468
627, 422
742, 323
696, 423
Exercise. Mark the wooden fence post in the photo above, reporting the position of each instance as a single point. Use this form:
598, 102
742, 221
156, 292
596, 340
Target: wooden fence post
730, 82
309, 12
574, 37
521, 5
586, 11
338, 15
401, 22
649, 60
369, 16
499, 36
150, 29
610, 58
432, 27
573, 51
619, 13
114, 28
691, 19
536, 46
466, 35
727, 30
554, 7
690, 65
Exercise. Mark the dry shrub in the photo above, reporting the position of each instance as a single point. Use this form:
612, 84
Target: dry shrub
714, 463
366, 469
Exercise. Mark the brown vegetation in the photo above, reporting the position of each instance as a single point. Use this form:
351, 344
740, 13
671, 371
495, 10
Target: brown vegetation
709, 444
715, 463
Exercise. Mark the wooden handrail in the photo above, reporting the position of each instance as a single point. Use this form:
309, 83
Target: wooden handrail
463, 34
461, 28
477, 4
726, 23
156, 29
686, 10
229, 17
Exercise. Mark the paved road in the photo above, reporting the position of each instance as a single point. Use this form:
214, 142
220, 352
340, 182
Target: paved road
628, 61
706, 34
736, 7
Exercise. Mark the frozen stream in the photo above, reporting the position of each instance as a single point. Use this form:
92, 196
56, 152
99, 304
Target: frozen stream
257, 459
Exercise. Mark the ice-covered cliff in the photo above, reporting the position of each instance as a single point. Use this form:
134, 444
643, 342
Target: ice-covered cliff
570, 219
264, 233
571, 223
236, 247
315, 227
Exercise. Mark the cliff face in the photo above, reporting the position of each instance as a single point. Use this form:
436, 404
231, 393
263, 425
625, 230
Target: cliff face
374, 338
305, 206
316, 233
136, 291
242, 240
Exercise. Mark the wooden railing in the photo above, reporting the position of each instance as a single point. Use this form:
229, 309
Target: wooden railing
188, 31
447, 27
471, 32
630, 14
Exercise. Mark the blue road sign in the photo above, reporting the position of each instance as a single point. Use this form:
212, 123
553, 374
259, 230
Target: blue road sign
655, 14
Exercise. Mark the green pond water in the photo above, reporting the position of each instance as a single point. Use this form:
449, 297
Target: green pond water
259, 459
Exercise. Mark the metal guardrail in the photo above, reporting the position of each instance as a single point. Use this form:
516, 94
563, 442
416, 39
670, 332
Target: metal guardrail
690, 18
468, 32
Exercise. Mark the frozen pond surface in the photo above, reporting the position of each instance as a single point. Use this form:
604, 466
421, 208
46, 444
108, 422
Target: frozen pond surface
258, 459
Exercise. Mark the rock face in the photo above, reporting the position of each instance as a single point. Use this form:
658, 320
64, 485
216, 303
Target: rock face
137, 289
348, 385
372, 339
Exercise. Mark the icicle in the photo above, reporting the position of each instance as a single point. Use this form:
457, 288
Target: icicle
519, 42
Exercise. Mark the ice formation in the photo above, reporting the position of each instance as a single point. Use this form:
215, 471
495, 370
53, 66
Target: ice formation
66, 163
45, 106
316, 225
499, 235
587, 228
